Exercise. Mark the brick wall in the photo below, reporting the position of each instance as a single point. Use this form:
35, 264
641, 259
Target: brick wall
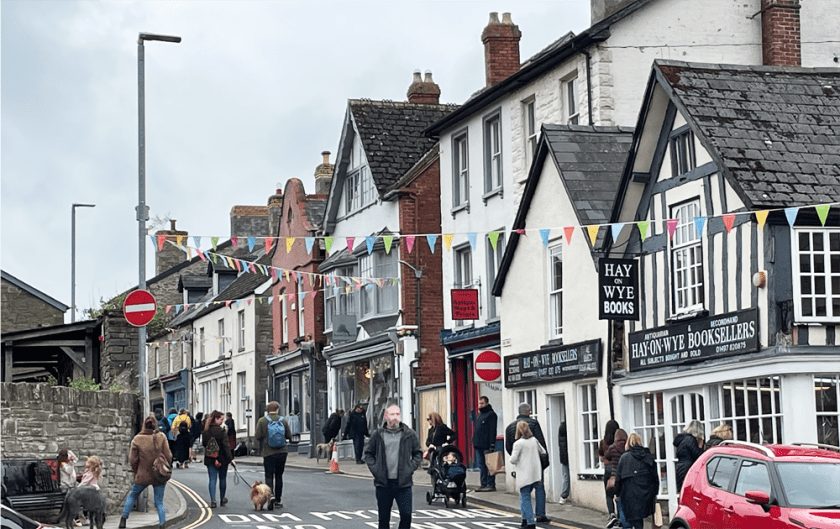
501, 48
780, 33
38, 420
22, 310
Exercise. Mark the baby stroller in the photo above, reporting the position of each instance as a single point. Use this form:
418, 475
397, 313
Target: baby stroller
448, 477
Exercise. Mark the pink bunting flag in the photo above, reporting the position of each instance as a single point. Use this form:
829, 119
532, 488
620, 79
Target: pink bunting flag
409, 242
252, 267
313, 293
520, 231
227, 303
249, 301
160, 240
235, 242
728, 221
569, 231
167, 309
672, 227
350, 241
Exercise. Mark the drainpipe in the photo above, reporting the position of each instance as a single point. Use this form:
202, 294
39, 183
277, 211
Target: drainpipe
588, 87
610, 384
306, 349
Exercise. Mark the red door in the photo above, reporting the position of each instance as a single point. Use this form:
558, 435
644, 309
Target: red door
464, 404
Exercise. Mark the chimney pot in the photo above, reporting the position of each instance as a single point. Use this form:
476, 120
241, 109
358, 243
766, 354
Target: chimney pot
326, 155
428, 78
494, 19
423, 92
417, 78
323, 175
506, 19
172, 224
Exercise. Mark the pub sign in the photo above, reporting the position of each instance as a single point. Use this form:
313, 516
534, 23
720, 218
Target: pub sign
618, 289
464, 303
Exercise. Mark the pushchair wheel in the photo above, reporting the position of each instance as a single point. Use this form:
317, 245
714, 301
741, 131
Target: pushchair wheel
428, 497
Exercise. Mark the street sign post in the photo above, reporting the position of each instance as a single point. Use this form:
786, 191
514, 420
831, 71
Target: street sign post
139, 308
488, 366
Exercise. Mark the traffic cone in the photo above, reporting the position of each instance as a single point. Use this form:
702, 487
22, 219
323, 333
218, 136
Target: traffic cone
334, 461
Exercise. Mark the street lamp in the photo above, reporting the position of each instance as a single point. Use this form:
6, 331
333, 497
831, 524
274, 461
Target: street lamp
142, 208
73, 258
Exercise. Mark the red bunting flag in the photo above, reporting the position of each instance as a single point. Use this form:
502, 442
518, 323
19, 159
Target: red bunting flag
569, 230
672, 227
409, 242
728, 221
160, 240
268, 242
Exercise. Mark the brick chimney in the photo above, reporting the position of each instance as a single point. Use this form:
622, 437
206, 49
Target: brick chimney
780, 33
501, 48
169, 255
323, 174
275, 211
425, 91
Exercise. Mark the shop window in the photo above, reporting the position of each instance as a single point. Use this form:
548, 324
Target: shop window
816, 275
752, 407
282, 395
590, 433
827, 391
372, 382
686, 260
225, 395
555, 292
649, 423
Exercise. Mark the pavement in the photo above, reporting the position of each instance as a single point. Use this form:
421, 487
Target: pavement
566, 515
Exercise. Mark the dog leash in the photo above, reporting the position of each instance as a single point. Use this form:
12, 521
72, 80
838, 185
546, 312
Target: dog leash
237, 476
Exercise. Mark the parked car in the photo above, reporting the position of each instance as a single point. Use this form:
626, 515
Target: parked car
12, 519
31, 485
747, 485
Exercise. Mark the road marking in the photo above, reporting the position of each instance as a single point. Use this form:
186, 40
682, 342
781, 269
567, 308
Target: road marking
205, 512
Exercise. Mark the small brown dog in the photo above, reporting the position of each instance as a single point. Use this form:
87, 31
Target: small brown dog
324, 450
260, 494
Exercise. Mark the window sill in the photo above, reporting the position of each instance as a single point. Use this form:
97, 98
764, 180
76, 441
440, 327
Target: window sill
555, 341
460, 207
490, 194
591, 475
464, 326
682, 316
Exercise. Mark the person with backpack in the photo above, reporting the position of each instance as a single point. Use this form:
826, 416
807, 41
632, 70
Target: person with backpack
273, 434
181, 426
217, 456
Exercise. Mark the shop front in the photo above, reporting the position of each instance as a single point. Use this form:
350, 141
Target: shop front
213, 381
175, 390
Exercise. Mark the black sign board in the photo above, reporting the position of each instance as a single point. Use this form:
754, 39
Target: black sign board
618, 289
695, 340
551, 364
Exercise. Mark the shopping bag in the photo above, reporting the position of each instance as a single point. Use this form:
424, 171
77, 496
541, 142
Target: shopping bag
495, 463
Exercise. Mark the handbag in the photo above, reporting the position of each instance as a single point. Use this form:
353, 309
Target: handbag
495, 463
543, 457
161, 467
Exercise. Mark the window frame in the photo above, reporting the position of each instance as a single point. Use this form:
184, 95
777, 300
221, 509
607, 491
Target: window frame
201, 347
284, 317
589, 441
301, 312
571, 99
240, 323
682, 150
221, 330
688, 246
460, 170
386, 296
494, 261
822, 415
555, 328
242, 381
493, 162
530, 130
830, 276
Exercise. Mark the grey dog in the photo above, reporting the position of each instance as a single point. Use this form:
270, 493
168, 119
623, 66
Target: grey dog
87, 498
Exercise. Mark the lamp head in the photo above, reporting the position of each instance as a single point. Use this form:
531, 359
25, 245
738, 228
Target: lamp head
164, 38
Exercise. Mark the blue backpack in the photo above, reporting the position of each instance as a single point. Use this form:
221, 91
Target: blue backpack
276, 434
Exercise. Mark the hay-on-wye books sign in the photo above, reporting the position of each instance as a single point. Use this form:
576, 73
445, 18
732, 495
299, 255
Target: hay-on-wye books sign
551, 364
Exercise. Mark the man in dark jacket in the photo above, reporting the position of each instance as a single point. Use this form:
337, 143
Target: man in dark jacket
392, 455
333, 426
563, 445
357, 430
510, 437
484, 441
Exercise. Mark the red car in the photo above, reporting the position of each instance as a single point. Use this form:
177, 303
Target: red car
751, 486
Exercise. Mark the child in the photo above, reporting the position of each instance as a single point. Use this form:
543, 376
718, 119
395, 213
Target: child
455, 471
66, 469
93, 469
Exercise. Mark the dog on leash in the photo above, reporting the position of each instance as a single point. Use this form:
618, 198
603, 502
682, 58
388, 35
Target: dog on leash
324, 450
87, 498
260, 494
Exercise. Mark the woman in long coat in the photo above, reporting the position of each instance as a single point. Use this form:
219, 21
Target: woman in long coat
688, 446
357, 429
439, 433
145, 448
636, 483
217, 466
525, 457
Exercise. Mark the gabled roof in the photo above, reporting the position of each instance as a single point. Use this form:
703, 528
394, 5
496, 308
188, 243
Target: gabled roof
546, 60
391, 134
34, 291
589, 161
194, 281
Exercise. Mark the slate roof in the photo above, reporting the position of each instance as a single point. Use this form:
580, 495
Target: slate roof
194, 281
590, 160
774, 130
34, 291
392, 135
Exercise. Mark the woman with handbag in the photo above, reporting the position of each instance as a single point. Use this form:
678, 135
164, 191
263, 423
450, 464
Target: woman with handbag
636, 483
610, 461
149, 449
217, 455
527, 457
439, 433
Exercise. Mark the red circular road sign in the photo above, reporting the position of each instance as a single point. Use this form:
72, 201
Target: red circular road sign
488, 366
139, 308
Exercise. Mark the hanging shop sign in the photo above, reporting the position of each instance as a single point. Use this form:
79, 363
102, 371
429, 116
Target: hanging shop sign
695, 340
618, 289
550, 364
344, 328
464, 303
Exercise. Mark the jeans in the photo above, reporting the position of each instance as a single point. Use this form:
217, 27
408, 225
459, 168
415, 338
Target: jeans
525, 507
274, 466
219, 473
385, 497
132, 497
565, 489
358, 446
485, 478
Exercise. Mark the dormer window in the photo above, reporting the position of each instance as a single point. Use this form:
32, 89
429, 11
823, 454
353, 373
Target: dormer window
358, 185
682, 151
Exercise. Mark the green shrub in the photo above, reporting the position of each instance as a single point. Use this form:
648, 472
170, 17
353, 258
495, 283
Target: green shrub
85, 384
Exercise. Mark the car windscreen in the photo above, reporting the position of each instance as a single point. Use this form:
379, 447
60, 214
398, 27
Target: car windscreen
811, 485
13, 520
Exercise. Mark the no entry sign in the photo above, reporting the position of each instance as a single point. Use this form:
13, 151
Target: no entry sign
139, 308
488, 366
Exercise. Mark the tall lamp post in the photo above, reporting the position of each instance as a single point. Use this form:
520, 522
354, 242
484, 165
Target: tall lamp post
142, 208
73, 258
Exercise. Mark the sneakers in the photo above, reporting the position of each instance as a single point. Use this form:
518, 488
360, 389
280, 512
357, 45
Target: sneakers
270, 505
212, 504
613, 522
223, 502
562, 501
123, 519
543, 519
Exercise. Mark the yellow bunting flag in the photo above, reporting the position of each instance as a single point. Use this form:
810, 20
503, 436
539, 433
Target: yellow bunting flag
289, 242
179, 239
593, 233
447, 239
761, 217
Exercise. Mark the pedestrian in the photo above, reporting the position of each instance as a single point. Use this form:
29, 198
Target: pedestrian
525, 457
195, 434
273, 434
536, 430
231, 430
563, 445
181, 426
171, 433
614, 453
217, 456
484, 442
66, 469
720, 434
688, 447
332, 427
163, 422
439, 434
392, 455
604, 445
357, 429
93, 470
636, 483
145, 448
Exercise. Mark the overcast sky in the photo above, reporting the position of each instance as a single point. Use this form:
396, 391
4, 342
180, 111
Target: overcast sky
250, 97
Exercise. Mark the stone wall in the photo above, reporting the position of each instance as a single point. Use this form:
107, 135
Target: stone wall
38, 420
118, 355
22, 310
